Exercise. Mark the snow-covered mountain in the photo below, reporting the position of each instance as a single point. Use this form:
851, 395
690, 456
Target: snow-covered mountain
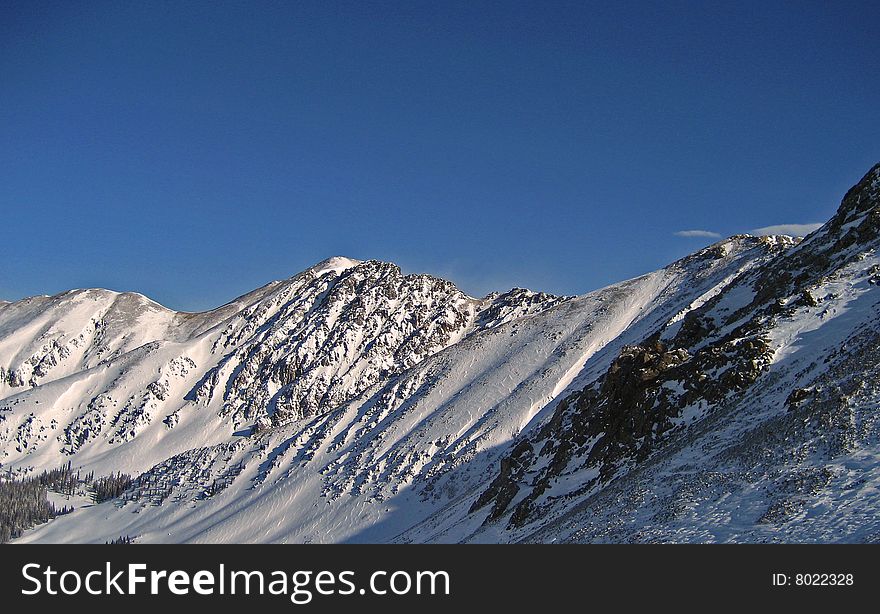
730, 396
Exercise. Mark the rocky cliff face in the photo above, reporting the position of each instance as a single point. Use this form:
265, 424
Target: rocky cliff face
331, 336
727, 347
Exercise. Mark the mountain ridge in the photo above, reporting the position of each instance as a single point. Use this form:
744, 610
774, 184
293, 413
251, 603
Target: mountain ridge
354, 403
323, 264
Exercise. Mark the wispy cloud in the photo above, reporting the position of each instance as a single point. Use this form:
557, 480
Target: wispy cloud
704, 234
795, 230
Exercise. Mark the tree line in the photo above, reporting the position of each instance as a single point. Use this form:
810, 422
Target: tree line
24, 500
23, 504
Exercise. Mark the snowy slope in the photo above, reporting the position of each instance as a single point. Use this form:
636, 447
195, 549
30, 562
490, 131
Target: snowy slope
752, 420
407, 444
727, 397
87, 371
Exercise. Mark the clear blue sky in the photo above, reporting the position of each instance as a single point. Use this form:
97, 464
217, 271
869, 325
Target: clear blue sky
195, 151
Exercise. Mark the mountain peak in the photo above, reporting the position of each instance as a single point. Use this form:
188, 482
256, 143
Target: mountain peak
862, 197
334, 263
